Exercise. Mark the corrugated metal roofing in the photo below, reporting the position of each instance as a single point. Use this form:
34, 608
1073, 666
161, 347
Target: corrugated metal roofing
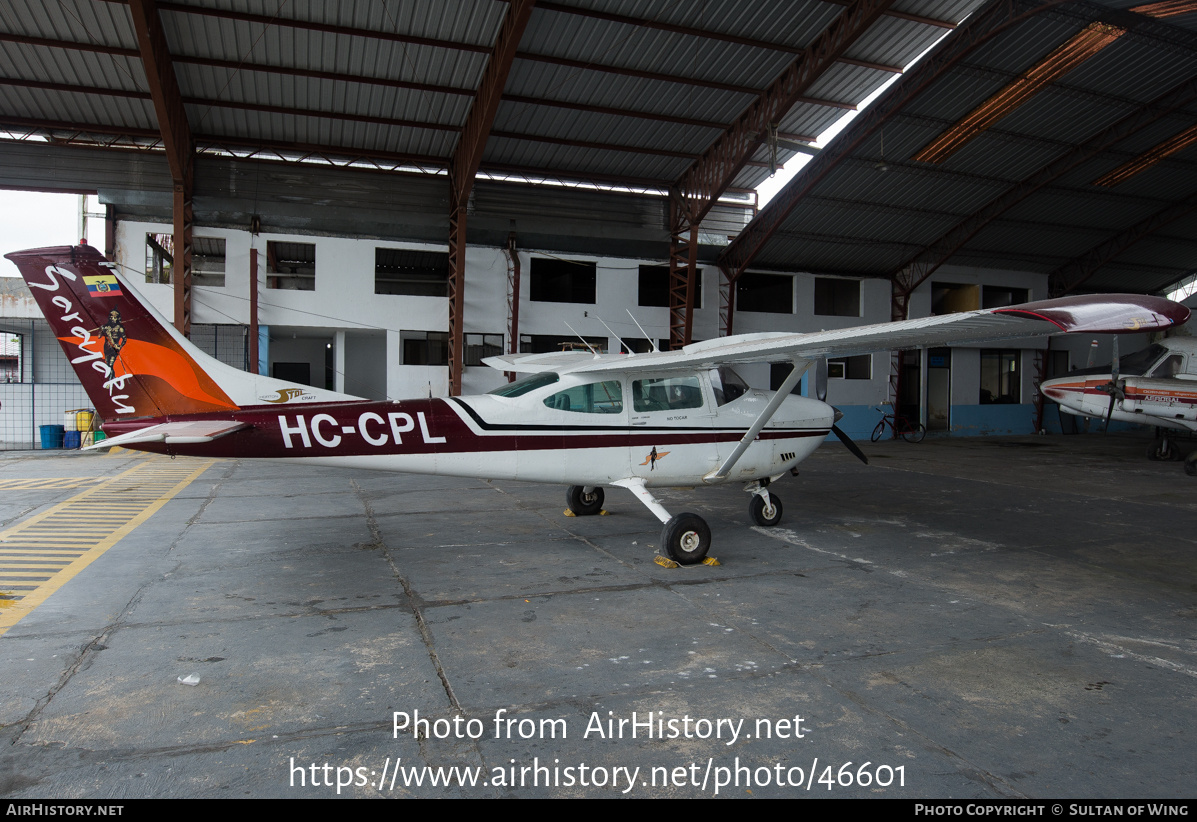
1063, 219
591, 80
629, 92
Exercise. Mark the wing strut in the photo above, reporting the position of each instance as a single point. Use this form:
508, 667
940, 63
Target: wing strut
720, 473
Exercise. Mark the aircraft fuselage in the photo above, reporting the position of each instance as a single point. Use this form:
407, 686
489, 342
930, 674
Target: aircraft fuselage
498, 438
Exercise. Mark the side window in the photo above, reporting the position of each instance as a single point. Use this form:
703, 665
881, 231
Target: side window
666, 394
595, 398
1169, 367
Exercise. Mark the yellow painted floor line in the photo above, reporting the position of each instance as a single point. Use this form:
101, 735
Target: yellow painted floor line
46, 483
74, 533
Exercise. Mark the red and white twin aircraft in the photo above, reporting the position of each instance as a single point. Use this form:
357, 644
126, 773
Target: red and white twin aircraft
679, 418
1156, 386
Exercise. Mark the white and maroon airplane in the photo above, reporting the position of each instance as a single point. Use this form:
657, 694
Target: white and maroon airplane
678, 418
1156, 386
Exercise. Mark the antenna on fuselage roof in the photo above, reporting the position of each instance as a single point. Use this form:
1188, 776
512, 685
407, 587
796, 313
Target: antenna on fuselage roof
651, 341
583, 339
622, 344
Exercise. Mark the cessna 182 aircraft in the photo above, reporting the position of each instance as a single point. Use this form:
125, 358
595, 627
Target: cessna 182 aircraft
585, 420
1156, 386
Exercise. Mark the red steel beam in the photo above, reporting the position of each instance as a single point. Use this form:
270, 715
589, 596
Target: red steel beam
992, 20
1074, 273
703, 183
690, 31
178, 142
324, 28
464, 166
921, 265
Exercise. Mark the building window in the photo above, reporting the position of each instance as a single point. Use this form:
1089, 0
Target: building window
11, 350
291, 266
425, 347
770, 293
159, 257
411, 273
654, 286
835, 297
207, 261
992, 297
1000, 383
480, 346
547, 343
948, 298
563, 281
851, 368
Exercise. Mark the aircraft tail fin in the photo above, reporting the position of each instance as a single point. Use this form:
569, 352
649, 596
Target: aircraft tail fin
130, 360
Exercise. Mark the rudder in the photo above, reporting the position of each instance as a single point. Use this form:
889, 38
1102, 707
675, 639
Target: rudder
129, 364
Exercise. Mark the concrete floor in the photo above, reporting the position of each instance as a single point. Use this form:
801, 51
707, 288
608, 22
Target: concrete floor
1001, 617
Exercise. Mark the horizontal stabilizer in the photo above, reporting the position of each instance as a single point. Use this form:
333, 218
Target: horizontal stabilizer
174, 433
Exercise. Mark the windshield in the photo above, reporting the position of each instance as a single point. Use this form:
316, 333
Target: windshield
1132, 365
521, 387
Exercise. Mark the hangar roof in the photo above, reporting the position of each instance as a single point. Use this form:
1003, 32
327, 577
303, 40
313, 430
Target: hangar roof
1056, 141
294, 108
600, 93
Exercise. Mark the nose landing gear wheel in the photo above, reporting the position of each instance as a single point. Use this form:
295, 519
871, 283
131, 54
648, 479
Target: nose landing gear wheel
762, 514
584, 504
686, 538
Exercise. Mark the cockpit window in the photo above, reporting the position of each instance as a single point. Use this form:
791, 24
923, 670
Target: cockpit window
666, 394
595, 398
521, 387
1136, 365
727, 384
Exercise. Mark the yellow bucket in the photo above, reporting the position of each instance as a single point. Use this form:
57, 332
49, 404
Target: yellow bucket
83, 420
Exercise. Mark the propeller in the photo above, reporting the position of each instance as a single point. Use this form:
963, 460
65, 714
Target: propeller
821, 394
849, 444
1116, 389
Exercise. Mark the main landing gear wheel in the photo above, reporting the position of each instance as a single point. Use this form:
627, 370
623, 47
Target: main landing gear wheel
762, 514
1162, 449
584, 504
686, 538
878, 432
1191, 464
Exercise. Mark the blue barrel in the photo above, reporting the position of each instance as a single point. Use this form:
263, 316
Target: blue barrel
70, 439
52, 436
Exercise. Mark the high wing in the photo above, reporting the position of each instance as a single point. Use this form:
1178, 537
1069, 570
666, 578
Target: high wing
1091, 314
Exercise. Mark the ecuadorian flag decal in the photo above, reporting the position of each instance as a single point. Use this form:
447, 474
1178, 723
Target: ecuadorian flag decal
105, 285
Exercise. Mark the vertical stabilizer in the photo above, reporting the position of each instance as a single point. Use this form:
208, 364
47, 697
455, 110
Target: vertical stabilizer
129, 360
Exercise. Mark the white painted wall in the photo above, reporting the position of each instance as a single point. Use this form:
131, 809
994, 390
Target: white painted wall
344, 299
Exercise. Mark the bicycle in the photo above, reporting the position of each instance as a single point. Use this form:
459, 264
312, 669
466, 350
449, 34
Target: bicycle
899, 426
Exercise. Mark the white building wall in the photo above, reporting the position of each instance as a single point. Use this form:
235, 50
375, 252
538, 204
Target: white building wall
344, 300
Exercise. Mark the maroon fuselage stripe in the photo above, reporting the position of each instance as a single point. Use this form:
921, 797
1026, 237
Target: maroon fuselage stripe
423, 423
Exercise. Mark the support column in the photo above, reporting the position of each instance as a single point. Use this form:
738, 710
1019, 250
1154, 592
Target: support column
264, 350
683, 276
181, 267
513, 299
339, 362
110, 233
457, 247
727, 302
899, 310
254, 366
